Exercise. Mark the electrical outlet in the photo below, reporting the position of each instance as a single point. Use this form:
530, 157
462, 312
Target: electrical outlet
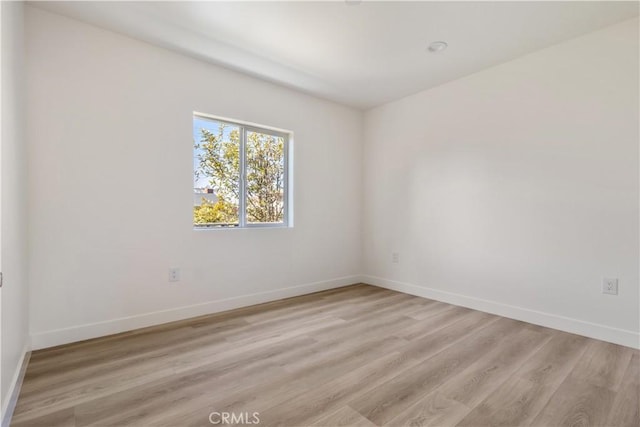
174, 274
395, 257
610, 286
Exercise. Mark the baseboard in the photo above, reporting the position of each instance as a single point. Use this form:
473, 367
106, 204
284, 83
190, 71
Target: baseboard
14, 388
94, 330
574, 326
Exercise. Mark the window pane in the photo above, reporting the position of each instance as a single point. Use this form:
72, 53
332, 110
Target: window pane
265, 178
216, 173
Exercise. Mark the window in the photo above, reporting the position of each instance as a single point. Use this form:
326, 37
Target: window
240, 175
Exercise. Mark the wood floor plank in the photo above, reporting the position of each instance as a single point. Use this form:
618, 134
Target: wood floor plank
626, 406
374, 327
432, 410
160, 396
518, 400
432, 323
291, 329
255, 394
317, 403
130, 346
576, 403
345, 416
384, 402
390, 303
603, 364
132, 375
434, 341
279, 309
358, 297
357, 355
428, 310
61, 418
486, 374
335, 361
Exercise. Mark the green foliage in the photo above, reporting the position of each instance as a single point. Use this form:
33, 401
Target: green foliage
219, 161
265, 178
219, 212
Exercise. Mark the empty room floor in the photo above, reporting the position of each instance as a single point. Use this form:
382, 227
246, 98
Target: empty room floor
357, 355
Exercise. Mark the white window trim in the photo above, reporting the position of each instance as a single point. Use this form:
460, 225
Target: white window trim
287, 217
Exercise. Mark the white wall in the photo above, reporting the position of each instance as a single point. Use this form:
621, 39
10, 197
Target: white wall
109, 115
13, 204
515, 190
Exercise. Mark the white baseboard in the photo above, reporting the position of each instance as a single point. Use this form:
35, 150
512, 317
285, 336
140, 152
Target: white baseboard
14, 388
94, 330
567, 324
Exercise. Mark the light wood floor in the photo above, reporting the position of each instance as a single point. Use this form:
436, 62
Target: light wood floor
358, 356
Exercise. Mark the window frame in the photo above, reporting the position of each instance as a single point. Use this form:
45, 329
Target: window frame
245, 127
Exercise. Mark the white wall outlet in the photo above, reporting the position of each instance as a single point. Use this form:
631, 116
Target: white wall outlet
395, 257
610, 286
174, 274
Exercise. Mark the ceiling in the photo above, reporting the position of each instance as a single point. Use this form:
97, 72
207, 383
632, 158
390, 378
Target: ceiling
361, 55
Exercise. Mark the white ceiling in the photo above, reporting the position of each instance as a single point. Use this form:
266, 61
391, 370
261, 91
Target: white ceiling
360, 55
